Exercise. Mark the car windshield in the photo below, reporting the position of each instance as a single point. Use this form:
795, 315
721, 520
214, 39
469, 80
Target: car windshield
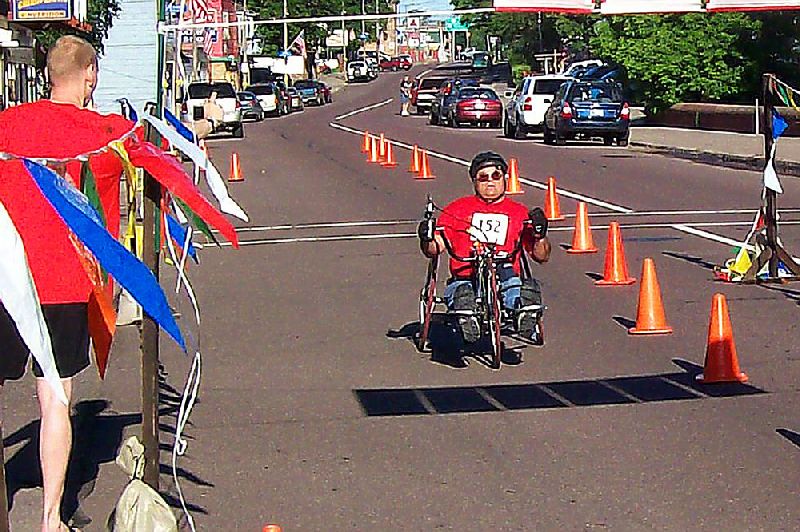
304, 85
547, 86
261, 90
484, 94
201, 91
246, 96
595, 92
291, 90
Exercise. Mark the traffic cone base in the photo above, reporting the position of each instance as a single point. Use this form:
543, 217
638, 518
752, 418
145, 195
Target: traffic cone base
512, 186
650, 318
722, 363
236, 169
551, 207
582, 235
615, 271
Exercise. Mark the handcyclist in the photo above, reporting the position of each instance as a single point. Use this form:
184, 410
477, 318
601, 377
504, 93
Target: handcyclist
489, 216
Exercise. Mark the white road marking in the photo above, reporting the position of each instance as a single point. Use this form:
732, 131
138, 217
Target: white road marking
690, 228
684, 228
364, 109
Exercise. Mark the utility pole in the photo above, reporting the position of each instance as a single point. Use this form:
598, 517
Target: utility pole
363, 22
285, 40
377, 31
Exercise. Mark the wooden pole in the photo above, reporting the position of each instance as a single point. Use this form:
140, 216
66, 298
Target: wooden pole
150, 348
4, 523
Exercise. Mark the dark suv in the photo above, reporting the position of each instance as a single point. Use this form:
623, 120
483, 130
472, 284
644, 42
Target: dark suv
587, 109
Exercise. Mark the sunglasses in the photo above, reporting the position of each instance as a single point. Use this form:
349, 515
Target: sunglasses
497, 175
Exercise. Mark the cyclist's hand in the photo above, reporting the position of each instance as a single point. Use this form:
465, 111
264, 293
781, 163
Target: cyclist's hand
426, 229
538, 221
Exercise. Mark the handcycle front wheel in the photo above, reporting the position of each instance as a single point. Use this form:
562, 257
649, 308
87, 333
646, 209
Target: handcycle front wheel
493, 307
427, 300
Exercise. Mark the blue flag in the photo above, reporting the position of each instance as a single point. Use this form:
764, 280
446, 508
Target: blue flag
83, 220
779, 124
178, 233
179, 127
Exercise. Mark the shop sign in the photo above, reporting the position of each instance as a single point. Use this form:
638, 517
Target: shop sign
30, 10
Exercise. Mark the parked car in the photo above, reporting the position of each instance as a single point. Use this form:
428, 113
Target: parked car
326, 92
525, 109
226, 99
578, 67
251, 108
406, 61
424, 92
588, 109
310, 90
268, 97
395, 63
481, 60
442, 104
478, 106
295, 100
372, 66
358, 71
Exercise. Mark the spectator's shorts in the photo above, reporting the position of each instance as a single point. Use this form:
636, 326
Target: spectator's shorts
69, 334
403, 98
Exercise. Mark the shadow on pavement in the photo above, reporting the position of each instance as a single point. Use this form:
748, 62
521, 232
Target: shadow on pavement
98, 434
447, 346
790, 435
678, 386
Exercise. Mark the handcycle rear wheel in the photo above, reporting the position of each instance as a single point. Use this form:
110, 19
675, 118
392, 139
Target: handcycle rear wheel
427, 300
493, 308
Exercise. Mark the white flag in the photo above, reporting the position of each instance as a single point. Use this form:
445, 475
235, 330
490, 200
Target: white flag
770, 176
18, 294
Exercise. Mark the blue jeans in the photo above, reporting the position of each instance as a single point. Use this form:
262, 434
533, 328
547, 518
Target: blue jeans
510, 287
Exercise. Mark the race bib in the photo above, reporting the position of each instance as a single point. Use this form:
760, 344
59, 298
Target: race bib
489, 228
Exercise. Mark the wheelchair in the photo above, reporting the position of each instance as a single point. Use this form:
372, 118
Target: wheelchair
494, 320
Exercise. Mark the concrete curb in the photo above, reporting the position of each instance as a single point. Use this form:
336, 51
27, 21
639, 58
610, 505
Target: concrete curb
728, 160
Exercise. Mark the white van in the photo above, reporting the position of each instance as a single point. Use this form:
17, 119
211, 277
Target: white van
525, 109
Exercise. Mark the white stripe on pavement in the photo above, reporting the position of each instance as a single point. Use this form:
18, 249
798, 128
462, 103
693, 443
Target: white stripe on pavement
363, 109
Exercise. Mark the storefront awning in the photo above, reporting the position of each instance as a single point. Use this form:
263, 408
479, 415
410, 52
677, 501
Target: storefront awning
546, 6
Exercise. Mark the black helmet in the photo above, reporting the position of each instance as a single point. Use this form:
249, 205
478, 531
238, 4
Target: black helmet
484, 159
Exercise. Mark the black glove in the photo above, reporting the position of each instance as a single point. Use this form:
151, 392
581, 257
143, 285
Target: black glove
538, 222
426, 229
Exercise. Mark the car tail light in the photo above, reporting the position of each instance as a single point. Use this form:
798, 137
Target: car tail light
566, 111
625, 112
238, 105
527, 105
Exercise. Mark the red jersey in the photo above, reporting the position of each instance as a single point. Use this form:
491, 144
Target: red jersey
53, 130
472, 219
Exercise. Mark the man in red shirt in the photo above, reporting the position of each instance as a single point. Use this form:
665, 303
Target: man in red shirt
59, 128
489, 216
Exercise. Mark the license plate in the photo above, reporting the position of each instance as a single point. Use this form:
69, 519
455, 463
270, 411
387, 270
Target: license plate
480, 105
478, 115
597, 113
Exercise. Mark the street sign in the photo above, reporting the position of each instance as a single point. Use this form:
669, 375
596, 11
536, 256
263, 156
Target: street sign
455, 24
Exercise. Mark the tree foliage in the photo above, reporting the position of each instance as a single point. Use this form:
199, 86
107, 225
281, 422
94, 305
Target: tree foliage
100, 15
668, 58
271, 35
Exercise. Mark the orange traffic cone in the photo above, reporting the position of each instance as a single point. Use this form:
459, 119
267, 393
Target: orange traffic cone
271, 528
236, 169
582, 235
389, 162
373, 151
616, 269
722, 364
513, 178
424, 169
382, 149
650, 317
413, 168
365, 143
551, 207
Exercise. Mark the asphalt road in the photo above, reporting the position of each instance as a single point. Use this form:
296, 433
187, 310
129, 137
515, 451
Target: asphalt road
303, 338
317, 413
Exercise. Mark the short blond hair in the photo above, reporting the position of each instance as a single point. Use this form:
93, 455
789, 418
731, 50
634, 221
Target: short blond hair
68, 57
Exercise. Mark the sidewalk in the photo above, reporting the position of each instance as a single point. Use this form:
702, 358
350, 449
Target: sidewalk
721, 148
